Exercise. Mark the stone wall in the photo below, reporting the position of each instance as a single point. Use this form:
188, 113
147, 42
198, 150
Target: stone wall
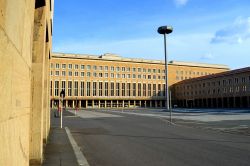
19, 83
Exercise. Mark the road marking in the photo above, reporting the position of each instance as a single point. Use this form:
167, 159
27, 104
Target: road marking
82, 161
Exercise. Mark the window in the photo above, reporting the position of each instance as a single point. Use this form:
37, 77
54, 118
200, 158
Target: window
82, 67
100, 75
112, 68
57, 66
128, 69
144, 89
51, 73
106, 68
64, 66
94, 74
144, 70
100, 88
154, 77
100, 68
123, 75
134, 69
154, 70
139, 89
95, 67
139, 76
123, 89
112, 89
118, 76
134, 76
139, 69
88, 67
117, 89
82, 89
112, 75
123, 68
69, 88
63, 73
134, 89
106, 89
149, 90
149, 77
106, 75
70, 66
117, 68
76, 88
128, 89
57, 73
94, 88
82, 74
144, 77
88, 88
88, 74
128, 76
149, 70
56, 88
76, 74
159, 90
51, 65
154, 89
76, 66
243, 79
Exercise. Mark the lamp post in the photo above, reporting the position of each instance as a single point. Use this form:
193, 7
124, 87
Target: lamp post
166, 30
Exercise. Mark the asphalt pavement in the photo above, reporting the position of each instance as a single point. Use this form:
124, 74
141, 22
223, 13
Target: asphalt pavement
118, 139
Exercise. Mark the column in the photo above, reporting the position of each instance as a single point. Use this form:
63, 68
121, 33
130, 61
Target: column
93, 103
38, 85
80, 104
140, 103
99, 104
66, 104
105, 104
111, 104
73, 103
122, 103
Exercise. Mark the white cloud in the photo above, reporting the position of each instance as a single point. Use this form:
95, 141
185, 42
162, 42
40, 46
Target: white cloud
180, 2
236, 33
207, 56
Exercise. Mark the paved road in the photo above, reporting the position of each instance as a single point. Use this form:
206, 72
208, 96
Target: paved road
132, 140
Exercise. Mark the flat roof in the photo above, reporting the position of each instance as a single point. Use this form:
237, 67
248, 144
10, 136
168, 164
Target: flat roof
115, 57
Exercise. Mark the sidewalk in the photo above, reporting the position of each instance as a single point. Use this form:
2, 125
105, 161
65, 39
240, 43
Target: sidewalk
58, 151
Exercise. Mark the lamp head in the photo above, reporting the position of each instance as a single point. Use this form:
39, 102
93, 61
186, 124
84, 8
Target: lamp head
165, 29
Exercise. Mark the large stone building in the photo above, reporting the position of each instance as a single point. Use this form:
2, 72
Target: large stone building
25, 48
111, 81
229, 89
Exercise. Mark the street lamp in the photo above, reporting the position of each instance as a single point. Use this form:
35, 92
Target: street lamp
166, 30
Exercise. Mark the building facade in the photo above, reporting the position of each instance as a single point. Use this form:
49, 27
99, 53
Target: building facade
111, 81
229, 89
25, 48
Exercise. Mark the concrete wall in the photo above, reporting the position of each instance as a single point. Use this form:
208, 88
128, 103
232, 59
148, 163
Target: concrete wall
17, 86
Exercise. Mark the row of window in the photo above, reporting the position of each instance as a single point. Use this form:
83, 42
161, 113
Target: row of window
106, 75
106, 68
198, 73
217, 91
81, 88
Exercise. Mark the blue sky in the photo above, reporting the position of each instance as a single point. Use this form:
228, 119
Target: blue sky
209, 31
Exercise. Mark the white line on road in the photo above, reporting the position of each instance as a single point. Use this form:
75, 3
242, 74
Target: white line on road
82, 161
